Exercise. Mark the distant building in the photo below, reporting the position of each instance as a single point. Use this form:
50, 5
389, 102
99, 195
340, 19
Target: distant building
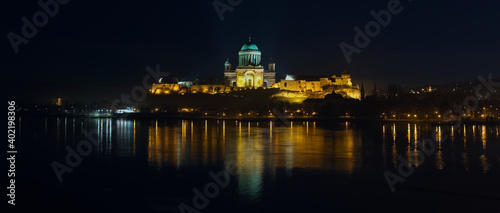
250, 72
162, 88
320, 84
125, 110
166, 89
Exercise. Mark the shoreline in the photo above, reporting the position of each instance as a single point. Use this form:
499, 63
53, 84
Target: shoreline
268, 118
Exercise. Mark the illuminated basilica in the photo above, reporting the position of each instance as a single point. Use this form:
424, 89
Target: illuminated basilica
250, 72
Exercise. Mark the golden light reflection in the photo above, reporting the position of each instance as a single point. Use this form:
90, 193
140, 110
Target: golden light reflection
439, 152
415, 137
483, 136
249, 129
307, 127
383, 145
438, 135
206, 131
465, 135
224, 130
272, 148
270, 131
134, 137
267, 149
346, 151
415, 151
484, 163
408, 147
409, 131
239, 129
394, 132
394, 147
184, 130
452, 132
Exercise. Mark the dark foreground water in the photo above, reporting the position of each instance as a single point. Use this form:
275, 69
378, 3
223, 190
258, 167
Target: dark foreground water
157, 165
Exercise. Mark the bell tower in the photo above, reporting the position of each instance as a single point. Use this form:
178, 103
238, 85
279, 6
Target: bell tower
272, 65
227, 65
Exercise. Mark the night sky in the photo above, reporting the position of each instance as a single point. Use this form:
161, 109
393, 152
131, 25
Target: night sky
111, 42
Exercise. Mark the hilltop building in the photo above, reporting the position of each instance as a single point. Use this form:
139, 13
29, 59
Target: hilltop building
250, 72
319, 86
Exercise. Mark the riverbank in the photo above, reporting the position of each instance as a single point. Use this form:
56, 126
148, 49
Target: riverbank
276, 118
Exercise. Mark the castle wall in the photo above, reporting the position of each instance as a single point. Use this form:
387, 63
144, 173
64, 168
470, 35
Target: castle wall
340, 85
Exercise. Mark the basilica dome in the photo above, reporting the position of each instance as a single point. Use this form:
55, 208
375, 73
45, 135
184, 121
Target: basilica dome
250, 54
249, 46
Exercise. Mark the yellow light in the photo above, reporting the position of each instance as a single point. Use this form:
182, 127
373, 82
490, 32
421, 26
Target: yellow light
409, 115
415, 116
439, 116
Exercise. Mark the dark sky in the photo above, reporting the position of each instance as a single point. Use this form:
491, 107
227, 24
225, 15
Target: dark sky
110, 42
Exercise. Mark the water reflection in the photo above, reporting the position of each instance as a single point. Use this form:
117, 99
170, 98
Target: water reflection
484, 160
271, 149
394, 147
439, 148
301, 145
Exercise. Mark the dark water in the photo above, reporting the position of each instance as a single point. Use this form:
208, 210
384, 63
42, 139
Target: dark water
154, 165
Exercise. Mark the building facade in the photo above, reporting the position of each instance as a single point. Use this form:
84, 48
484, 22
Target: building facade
317, 84
250, 72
